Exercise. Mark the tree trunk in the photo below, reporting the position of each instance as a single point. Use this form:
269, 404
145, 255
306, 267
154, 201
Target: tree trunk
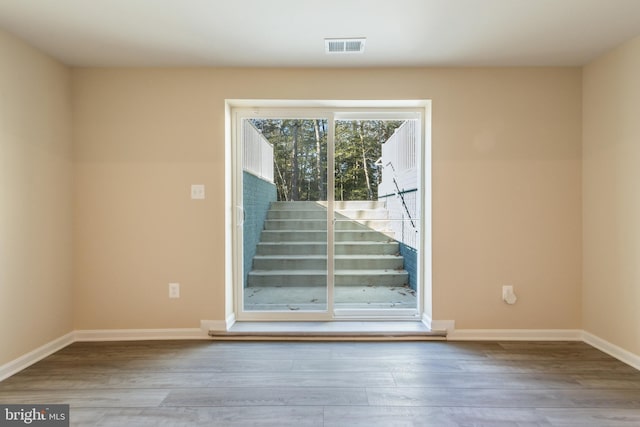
295, 191
364, 161
316, 126
283, 184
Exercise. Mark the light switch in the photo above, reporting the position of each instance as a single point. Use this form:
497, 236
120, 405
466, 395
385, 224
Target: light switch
174, 290
197, 191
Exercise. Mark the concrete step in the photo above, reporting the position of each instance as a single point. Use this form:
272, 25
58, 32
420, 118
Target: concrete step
356, 204
320, 248
362, 214
295, 224
296, 214
383, 226
317, 262
293, 249
338, 205
321, 236
321, 224
283, 278
288, 206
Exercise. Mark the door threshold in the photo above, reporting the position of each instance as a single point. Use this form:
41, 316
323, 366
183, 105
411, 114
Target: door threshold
328, 331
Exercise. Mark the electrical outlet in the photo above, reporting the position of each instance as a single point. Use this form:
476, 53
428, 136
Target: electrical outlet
506, 291
174, 290
508, 295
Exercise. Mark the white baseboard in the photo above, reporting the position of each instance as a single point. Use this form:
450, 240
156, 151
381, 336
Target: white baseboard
213, 325
443, 325
36, 355
515, 335
218, 325
613, 350
438, 325
140, 334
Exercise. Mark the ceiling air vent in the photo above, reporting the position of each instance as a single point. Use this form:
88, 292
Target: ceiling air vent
354, 45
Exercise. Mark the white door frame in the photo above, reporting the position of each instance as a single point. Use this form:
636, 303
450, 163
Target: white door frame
237, 110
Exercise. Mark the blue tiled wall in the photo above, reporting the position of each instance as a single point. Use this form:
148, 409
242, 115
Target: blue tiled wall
257, 196
410, 264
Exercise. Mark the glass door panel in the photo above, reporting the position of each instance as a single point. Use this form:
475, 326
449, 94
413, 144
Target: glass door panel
376, 209
285, 215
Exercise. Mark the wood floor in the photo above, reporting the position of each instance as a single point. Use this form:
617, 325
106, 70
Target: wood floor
185, 383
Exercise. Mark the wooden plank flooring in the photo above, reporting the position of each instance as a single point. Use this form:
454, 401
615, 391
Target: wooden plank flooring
205, 383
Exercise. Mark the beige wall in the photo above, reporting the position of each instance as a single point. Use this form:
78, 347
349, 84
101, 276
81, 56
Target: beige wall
611, 134
35, 200
506, 188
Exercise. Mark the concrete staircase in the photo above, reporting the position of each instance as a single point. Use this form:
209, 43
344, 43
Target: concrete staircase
292, 250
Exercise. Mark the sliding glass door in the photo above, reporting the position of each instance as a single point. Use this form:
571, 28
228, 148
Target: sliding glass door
328, 215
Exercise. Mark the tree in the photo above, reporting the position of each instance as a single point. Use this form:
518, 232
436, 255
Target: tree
295, 167
358, 146
319, 139
300, 156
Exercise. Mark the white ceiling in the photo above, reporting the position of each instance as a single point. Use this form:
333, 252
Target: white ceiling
290, 33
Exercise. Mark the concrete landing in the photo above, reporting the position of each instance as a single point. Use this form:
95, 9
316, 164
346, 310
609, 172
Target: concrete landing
303, 298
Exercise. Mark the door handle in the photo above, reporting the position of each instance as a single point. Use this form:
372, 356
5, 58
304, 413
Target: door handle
240, 215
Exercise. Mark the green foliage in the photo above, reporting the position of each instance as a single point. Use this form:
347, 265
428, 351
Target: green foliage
358, 146
300, 156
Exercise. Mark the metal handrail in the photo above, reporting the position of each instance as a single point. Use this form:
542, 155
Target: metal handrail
400, 193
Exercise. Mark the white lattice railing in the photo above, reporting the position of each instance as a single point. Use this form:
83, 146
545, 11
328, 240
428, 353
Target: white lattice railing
399, 158
399, 185
257, 152
400, 149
